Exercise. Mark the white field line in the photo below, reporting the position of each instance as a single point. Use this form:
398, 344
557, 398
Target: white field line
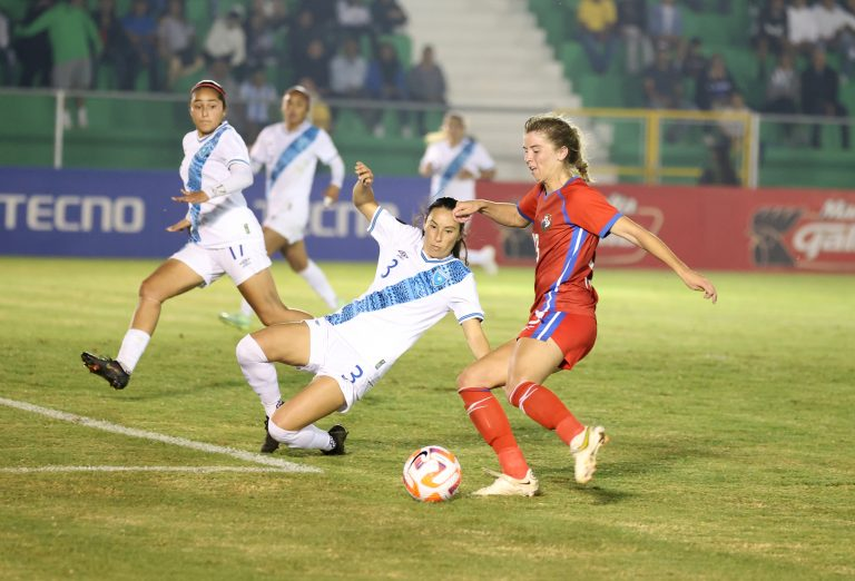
283, 465
192, 469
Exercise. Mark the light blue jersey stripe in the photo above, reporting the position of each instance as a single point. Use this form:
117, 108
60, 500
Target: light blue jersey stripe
423, 284
194, 177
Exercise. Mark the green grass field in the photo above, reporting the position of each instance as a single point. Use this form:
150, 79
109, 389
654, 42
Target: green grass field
732, 453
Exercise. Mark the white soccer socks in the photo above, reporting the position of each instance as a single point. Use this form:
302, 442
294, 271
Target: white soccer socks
259, 373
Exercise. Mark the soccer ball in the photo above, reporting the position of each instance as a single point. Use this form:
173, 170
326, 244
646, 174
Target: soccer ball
432, 474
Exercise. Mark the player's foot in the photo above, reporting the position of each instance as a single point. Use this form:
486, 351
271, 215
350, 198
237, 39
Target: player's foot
509, 486
236, 320
109, 369
270, 445
584, 447
339, 435
489, 257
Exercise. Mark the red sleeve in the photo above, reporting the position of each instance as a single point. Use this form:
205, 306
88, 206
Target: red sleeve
589, 209
527, 207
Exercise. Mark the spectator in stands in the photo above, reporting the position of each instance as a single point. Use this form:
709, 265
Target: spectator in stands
821, 95
387, 81
274, 13
715, 86
316, 66
227, 40
772, 33
426, 84
34, 51
692, 61
117, 52
303, 34
836, 30
260, 42
387, 16
803, 28
323, 11
73, 36
257, 94
783, 88
663, 83
141, 28
733, 130
597, 20
176, 39
665, 24
632, 22
354, 19
348, 70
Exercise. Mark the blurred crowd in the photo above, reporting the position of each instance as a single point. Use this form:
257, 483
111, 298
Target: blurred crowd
335, 48
791, 41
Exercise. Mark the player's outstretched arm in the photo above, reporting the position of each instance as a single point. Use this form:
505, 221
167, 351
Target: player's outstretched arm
647, 240
502, 213
475, 337
363, 193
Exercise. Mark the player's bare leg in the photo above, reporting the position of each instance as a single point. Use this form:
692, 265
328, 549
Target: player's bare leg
170, 279
290, 422
260, 292
532, 363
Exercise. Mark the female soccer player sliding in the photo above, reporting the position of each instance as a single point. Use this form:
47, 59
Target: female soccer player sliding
419, 279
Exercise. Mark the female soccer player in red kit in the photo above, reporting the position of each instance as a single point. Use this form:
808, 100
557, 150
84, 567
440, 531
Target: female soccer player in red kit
568, 219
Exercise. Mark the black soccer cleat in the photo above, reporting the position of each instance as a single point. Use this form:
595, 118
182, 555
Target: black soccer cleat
270, 445
107, 368
339, 435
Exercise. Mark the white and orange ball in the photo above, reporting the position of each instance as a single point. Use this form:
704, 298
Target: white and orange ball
432, 474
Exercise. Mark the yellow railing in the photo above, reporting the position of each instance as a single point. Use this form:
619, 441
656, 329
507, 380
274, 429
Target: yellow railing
653, 169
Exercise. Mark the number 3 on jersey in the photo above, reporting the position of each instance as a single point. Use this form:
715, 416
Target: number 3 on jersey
354, 375
536, 239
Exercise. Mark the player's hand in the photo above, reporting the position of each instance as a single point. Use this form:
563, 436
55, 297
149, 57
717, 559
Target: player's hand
465, 174
331, 196
463, 210
192, 197
699, 282
179, 226
364, 174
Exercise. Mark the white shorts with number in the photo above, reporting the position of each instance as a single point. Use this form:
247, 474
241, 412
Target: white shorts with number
331, 355
290, 221
240, 260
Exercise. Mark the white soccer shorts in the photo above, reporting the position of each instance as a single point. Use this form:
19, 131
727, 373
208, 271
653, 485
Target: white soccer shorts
240, 260
331, 355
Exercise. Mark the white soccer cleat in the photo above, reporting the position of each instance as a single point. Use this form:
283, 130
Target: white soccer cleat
509, 486
584, 447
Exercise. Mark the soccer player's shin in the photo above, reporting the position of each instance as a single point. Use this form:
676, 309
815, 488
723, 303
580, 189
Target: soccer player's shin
489, 418
544, 407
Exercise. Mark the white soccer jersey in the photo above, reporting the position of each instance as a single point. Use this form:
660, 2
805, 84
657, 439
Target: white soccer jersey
410, 293
221, 220
290, 172
441, 156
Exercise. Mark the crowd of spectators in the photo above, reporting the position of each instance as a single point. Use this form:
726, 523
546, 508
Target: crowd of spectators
255, 49
791, 39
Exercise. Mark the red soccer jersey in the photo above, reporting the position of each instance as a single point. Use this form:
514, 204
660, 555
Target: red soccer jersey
567, 226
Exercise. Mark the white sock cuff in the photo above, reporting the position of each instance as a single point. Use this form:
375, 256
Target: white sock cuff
280, 435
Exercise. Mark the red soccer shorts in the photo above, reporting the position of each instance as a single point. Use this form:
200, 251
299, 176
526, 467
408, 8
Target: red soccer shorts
575, 334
